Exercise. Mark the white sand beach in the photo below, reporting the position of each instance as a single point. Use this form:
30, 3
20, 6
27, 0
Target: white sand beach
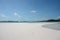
29, 31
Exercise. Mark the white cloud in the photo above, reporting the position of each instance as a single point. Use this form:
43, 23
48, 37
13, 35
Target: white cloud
3, 15
19, 16
44, 18
16, 14
33, 11
58, 17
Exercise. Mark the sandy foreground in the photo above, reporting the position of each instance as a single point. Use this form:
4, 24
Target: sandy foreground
29, 31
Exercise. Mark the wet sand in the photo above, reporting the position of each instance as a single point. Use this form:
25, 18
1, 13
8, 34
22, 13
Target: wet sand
29, 31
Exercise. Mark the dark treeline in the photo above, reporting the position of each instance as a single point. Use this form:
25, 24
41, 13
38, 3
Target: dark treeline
49, 20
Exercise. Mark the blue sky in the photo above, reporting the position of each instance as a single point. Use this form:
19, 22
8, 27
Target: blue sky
29, 10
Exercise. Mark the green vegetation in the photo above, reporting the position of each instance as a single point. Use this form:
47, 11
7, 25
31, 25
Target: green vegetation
51, 20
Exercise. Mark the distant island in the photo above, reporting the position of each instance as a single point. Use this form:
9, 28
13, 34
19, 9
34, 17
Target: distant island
49, 20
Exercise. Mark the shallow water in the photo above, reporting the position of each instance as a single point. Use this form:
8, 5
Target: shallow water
54, 26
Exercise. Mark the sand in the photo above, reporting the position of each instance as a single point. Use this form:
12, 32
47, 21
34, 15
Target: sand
29, 31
